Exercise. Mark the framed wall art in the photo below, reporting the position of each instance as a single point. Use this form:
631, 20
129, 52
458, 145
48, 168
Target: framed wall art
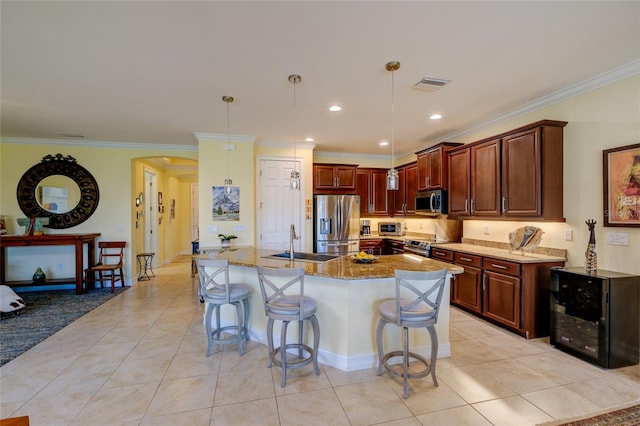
621, 171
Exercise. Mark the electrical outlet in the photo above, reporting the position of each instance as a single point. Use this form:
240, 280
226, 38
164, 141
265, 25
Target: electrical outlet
618, 238
568, 235
486, 230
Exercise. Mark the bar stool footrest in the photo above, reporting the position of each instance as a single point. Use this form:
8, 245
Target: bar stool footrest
410, 375
294, 363
236, 337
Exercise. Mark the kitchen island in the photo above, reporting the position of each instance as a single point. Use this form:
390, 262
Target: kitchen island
348, 295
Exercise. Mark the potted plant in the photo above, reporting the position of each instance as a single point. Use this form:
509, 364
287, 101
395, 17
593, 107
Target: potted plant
226, 239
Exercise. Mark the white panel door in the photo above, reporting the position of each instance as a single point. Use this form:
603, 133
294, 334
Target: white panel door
279, 205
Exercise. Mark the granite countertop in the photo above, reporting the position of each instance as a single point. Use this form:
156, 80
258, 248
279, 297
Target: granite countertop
500, 253
342, 268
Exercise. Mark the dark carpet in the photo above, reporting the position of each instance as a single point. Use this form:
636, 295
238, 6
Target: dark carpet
45, 313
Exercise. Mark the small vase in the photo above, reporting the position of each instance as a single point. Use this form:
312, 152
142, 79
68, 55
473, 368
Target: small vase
226, 243
39, 276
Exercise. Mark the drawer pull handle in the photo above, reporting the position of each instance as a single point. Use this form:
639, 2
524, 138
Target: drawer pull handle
466, 259
439, 253
498, 266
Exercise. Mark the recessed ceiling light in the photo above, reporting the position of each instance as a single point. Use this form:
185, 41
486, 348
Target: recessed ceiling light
383, 143
335, 108
309, 139
436, 117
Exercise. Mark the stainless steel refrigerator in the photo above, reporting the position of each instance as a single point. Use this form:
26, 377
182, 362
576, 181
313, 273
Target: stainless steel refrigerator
336, 224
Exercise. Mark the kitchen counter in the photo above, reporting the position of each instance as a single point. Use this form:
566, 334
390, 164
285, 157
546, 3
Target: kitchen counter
343, 268
348, 295
499, 253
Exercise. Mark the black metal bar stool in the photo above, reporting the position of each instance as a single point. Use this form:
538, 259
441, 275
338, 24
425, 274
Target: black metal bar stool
145, 266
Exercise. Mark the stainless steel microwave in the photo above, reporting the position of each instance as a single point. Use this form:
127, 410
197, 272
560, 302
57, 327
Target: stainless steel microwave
431, 202
390, 228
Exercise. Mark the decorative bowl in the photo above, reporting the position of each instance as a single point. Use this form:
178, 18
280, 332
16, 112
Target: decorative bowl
526, 238
364, 260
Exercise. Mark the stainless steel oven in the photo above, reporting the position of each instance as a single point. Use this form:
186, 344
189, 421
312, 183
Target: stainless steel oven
421, 248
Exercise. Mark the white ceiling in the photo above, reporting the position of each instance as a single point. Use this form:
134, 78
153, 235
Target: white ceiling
155, 72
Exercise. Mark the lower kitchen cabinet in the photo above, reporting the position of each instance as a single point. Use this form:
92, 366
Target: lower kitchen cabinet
394, 247
373, 246
510, 294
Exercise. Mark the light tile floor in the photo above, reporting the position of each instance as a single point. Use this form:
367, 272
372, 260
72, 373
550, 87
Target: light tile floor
140, 359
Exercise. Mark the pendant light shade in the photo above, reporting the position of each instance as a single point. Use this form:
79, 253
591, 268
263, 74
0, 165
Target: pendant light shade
392, 174
295, 175
228, 182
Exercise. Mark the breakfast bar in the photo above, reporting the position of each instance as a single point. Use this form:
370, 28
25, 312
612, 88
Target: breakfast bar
348, 296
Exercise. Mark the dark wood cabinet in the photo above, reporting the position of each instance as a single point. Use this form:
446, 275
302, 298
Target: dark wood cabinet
334, 178
532, 176
394, 247
514, 176
509, 294
467, 289
372, 187
373, 246
502, 292
404, 199
432, 167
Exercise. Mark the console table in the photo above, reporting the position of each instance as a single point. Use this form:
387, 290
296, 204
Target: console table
77, 240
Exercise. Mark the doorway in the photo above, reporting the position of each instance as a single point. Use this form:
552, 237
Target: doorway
279, 205
151, 215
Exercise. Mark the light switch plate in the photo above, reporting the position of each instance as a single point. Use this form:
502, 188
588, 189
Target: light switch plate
618, 238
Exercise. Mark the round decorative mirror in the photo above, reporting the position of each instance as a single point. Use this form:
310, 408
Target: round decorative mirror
60, 189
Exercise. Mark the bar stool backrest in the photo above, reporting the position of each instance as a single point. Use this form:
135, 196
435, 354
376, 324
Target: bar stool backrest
214, 279
419, 296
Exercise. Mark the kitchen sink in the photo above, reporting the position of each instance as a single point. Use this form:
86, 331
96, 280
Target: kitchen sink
308, 257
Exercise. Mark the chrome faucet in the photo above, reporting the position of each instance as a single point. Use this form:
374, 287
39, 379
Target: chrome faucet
292, 236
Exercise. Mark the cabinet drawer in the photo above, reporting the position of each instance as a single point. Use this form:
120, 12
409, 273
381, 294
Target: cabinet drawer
501, 266
464, 259
440, 254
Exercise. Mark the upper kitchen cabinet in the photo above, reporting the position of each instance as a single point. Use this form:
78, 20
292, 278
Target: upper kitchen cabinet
532, 175
432, 169
512, 176
474, 180
334, 178
372, 188
404, 199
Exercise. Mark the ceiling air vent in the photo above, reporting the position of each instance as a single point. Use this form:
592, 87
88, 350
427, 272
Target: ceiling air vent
431, 84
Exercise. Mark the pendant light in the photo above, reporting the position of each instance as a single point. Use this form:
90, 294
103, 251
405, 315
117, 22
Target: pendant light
295, 175
392, 174
228, 183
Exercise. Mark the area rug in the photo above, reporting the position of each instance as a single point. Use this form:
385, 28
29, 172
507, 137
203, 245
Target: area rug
46, 313
628, 416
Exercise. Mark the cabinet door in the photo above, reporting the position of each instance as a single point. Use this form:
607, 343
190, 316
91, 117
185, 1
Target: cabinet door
485, 179
422, 177
467, 289
379, 194
502, 298
435, 178
459, 180
345, 177
521, 174
363, 189
323, 177
398, 196
410, 189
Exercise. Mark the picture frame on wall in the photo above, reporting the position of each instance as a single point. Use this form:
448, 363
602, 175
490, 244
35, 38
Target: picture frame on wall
159, 198
621, 173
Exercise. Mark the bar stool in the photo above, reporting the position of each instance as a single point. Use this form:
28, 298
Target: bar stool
416, 305
293, 306
216, 291
145, 265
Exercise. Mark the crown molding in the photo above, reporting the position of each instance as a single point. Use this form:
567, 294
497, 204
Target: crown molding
630, 69
101, 144
222, 137
299, 145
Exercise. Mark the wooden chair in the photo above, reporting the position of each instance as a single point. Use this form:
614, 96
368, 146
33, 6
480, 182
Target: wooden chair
109, 266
